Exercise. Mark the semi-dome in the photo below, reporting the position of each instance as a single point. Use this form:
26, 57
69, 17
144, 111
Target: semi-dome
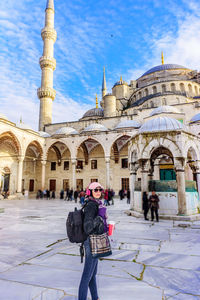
165, 109
164, 67
161, 124
128, 124
195, 118
95, 127
94, 112
65, 131
44, 134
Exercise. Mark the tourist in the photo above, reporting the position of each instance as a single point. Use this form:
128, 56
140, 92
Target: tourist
75, 196
154, 205
145, 205
82, 197
53, 196
62, 194
48, 194
94, 223
121, 194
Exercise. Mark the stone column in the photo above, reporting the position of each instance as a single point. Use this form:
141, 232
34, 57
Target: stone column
198, 182
145, 176
180, 178
107, 159
73, 174
19, 174
43, 162
132, 185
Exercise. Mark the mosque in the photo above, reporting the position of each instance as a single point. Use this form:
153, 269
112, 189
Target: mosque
144, 137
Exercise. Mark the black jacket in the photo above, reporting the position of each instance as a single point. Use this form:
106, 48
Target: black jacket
93, 224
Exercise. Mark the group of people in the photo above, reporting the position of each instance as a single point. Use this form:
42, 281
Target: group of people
45, 194
125, 193
151, 203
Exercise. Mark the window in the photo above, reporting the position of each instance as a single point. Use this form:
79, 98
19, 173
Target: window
124, 163
93, 164
154, 89
146, 92
173, 87
66, 165
94, 180
163, 88
31, 185
182, 87
125, 183
53, 166
79, 164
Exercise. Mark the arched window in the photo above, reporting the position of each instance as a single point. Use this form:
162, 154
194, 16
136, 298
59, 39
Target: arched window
151, 104
154, 89
139, 95
146, 92
182, 87
190, 88
163, 88
173, 87
164, 101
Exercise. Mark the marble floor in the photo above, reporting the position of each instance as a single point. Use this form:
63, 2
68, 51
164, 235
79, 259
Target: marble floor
153, 261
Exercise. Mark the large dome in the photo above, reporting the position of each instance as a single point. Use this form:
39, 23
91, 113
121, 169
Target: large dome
161, 124
65, 131
95, 127
128, 124
165, 109
164, 67
195, 118
98, 112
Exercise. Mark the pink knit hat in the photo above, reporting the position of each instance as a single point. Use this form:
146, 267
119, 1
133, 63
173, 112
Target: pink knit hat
94, 185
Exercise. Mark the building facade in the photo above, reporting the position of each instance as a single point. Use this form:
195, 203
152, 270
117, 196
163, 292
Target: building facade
144, 136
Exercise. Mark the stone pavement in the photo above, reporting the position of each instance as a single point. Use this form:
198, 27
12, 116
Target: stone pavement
150, 260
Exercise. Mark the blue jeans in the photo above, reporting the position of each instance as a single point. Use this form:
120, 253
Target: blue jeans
88, 278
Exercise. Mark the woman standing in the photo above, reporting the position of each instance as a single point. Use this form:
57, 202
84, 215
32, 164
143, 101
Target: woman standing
94, 223
145, 205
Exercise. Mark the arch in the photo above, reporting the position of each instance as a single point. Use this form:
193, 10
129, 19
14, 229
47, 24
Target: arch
163, 86
146, 92
154, 89
118, 145
57, 150
8, 135
166, 143
190, 88
52, 142
173, 87
37, 145
139, 95
88, 139
192, 148
182, 87
156, 152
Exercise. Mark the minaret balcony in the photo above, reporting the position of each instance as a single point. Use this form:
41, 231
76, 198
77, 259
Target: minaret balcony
49, 33
46, 93
47, 62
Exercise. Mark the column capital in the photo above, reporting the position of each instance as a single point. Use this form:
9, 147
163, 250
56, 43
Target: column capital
43, 162
107, 159
21, 158
73, 161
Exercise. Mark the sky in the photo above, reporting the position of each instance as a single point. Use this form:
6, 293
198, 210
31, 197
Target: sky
126, 37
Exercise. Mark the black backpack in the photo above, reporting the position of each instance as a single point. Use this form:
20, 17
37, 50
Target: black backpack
74, 226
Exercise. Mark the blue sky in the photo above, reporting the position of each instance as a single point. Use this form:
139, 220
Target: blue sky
126, 37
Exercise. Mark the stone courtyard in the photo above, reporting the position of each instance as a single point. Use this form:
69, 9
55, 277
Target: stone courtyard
150, 260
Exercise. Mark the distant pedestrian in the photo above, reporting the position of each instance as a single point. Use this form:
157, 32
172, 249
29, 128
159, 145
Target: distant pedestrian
154, 205
48, 194
128, 196
121, 194
53, 196
82, 197
75, 196
62, 194
145, 205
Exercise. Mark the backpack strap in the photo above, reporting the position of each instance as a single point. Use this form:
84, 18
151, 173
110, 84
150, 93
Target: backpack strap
81, 252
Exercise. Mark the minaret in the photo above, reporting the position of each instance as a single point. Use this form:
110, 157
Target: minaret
46, 93
104, 89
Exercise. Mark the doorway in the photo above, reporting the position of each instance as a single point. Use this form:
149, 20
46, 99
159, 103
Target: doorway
31, 185
79, 184
52, 184
65, 184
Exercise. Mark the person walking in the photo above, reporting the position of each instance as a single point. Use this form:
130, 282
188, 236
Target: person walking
128, 196
75, 195
82, 197
145, 205
48, 194
154, 205
94, 223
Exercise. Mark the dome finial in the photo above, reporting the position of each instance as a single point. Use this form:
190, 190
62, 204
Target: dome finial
96, 101
162, 58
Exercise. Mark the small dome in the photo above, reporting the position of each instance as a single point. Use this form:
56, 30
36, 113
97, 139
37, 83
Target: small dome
161, 124
44, 134
95, 127
65, 131
3, 117
164, 67
195, 118
24, 126
165, 109
121, 82
98, 112
128, 124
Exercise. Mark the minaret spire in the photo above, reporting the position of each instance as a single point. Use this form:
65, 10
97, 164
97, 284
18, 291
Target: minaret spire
162, 58
104, 89
46, 93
